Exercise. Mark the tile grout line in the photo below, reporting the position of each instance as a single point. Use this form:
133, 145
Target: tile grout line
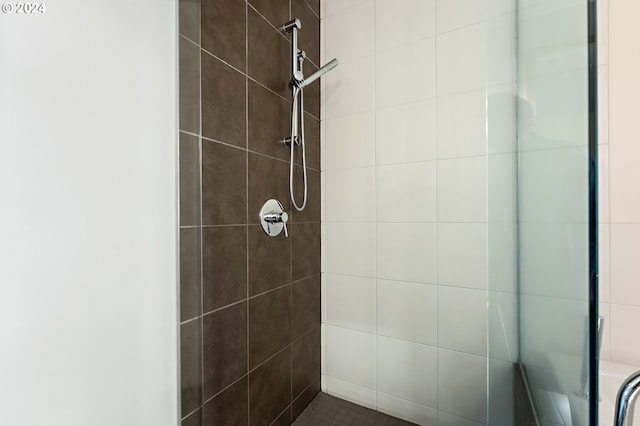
246, 145
201, 189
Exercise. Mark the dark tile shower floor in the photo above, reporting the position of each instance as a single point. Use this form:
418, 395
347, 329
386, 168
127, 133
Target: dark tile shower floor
326, 410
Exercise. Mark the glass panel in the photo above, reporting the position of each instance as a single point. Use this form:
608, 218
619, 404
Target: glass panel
539, 198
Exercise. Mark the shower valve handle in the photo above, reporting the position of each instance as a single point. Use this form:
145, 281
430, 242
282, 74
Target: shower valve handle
278, 217
273, 218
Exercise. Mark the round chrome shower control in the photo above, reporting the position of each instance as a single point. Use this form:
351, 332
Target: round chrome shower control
273, 218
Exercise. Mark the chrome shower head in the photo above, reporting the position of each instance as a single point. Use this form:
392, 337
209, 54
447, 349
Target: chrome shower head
316, 75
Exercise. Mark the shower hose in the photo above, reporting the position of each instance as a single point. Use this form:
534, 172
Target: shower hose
297, 116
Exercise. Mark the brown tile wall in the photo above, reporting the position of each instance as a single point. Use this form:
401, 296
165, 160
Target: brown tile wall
250, 304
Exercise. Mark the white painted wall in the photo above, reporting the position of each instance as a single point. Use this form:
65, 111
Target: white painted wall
619, 152
88, 215
405, 207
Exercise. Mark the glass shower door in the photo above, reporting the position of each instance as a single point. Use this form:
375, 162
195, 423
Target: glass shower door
542, 276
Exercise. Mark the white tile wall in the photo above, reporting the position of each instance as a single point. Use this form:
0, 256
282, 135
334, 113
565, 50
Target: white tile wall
407, 370
406, 192
408, 311
462, 320
448, 419
407, 252
349, 88
618, 178
462, 125
350, 195
625, 267
625, 321
349, 35
462, 384
453, 14
348, 141
400, 22
404, 172
343, 347
351, 302
406, 73
349, 248
405, 133
462, 254
462, 189
462, 60
407, 410
330, 7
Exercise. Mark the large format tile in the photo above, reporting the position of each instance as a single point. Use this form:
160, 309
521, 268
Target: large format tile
462, 254
350, 249
462, 319
223, 30
462, 384
461, 60
270, 389
305, 310
230, 407
456, 140
189, 86
344, 346
402, 22
225, 348
452, 14
190, 273
224, 184
195, 419
350, 195
350, 88
407, 252
224, 266
305, 354
462, 190
269, 261
405, 133
269, 324
406, 73
276, 11
269, 55
191, 365
305, 250
309, 35
269, 122
407, 311
268, 178
349, 35
189, 16
624, 264
407, 370
306, 397
189, 180
360, 132
625, 321
406, 192
224, 102
351, 302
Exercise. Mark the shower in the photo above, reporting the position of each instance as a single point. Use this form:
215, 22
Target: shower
298, 83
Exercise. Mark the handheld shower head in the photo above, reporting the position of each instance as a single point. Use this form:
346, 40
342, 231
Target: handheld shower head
316, 75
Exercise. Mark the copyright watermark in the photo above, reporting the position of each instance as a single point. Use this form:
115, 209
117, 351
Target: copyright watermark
24, 8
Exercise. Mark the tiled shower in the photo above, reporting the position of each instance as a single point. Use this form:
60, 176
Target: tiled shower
402, 193
250, 304
405, 210
380, 294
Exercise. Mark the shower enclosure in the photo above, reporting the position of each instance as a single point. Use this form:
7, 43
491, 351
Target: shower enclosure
443, 270
542, 298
